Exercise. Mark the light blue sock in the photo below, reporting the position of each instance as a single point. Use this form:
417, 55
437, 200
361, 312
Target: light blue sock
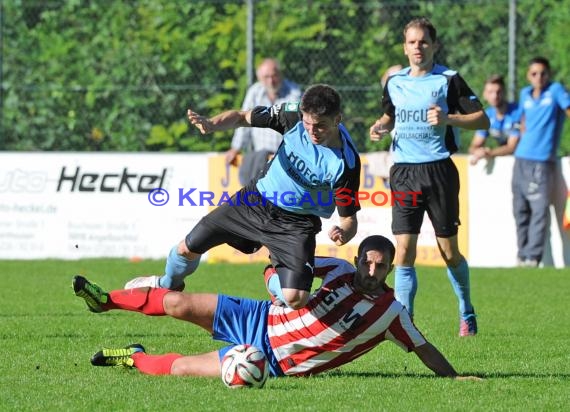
459, 278
176, 269
274, 287
405, 286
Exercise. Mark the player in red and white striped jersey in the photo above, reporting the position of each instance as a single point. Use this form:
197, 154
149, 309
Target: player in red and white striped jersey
340, 322
349, 314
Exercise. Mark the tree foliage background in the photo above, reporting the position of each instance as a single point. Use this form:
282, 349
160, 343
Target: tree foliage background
91, 75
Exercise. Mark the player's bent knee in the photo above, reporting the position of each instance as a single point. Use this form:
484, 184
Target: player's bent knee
295, 299
183, 250
297, 280
175, 303
180, 367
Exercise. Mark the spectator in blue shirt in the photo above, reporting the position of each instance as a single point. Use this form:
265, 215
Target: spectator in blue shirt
505, 124
544, 105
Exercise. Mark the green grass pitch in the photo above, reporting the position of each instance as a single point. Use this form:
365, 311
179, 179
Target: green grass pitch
47, 337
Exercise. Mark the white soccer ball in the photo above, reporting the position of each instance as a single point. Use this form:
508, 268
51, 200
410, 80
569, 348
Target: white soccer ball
244, 366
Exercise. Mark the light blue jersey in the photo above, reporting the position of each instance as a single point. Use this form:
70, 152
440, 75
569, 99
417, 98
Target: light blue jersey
543, 120
304, 177
407, 100
502, 128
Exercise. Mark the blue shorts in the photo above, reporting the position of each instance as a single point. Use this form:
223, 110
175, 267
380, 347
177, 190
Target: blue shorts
244, 321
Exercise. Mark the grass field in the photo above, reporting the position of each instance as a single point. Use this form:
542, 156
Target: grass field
47, 337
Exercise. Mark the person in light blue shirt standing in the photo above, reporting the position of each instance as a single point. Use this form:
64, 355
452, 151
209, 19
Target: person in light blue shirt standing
544, 105
505, 123
425, 103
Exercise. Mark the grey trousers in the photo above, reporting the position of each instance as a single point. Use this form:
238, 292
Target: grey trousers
532, 186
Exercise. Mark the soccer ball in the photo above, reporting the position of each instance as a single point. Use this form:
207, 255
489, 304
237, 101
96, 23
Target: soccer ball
244, 366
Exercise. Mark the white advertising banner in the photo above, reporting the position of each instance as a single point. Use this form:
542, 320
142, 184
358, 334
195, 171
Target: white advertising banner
492, 230
75, 205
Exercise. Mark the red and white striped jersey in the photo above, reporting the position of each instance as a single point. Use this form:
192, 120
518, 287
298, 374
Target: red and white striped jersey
338, 324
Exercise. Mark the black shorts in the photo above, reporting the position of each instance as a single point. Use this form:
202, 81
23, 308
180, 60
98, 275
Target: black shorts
250, 222
425, 187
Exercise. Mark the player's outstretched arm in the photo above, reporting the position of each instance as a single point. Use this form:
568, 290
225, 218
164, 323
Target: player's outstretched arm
227, 120
433, 359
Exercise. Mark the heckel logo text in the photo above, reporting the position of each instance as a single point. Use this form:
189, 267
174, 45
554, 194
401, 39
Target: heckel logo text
73, 180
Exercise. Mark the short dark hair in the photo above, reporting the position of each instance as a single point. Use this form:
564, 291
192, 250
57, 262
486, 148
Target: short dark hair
376, 242
540, 60
320, 100
422, 23
496, 79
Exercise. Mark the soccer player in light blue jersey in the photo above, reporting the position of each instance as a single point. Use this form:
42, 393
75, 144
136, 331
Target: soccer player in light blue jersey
505, 123
270, 89
424, 104
316, 170
544, 105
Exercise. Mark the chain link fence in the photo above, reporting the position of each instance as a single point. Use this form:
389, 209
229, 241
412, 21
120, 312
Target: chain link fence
119, 75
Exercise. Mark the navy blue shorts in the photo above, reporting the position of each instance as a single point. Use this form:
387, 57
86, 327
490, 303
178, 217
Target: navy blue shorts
437, 188
244, 321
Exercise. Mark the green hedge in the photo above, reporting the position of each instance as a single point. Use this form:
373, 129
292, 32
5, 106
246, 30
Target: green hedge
115, 75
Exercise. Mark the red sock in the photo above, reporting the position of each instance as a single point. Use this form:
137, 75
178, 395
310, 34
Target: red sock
144, 300
155, 364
